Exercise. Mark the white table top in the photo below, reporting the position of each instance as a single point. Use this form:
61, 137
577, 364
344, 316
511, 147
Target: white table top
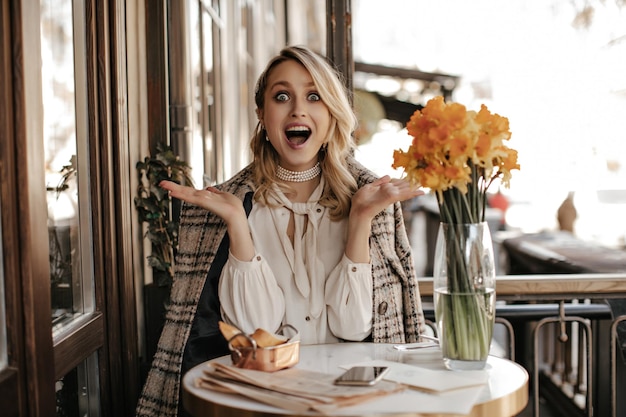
506, 393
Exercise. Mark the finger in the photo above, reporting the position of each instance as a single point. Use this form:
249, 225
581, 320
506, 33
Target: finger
181, 192
380, 181
401, 191
173, 189
406, 185
408, 194
176, 189
167, 185
402, 182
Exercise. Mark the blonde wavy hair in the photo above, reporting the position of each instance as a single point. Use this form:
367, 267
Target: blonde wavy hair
340, 185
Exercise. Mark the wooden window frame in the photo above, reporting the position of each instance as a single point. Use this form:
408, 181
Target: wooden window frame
27, 386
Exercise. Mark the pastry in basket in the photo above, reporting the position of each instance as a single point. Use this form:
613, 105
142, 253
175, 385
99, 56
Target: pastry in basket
229, 332
262, 337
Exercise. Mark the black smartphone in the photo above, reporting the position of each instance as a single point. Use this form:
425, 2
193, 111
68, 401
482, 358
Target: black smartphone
362, 375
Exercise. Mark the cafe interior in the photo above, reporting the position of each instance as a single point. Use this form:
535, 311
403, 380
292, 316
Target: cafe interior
96, 93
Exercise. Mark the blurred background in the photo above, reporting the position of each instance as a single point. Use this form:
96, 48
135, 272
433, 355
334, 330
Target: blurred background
555, 69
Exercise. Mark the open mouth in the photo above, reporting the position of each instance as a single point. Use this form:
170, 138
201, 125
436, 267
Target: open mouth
298, 134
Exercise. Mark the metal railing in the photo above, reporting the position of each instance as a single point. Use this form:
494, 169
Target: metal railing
614, 341
570, 364
563, 312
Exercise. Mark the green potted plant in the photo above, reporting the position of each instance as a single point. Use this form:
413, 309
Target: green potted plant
157, 209
160, 213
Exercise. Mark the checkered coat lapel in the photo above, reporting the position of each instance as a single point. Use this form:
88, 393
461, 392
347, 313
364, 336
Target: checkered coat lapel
398, 316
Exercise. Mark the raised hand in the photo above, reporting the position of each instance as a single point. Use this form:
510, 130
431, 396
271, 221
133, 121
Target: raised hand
367, 202
223, 204
372, 198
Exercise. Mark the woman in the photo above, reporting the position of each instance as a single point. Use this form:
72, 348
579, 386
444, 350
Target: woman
304, 234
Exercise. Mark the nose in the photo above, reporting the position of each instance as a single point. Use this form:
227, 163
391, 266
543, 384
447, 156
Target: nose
299, 107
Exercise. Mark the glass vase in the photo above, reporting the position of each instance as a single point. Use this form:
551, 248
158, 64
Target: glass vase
464, 294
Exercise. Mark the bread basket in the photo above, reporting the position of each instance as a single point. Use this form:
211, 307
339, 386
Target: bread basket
268, 359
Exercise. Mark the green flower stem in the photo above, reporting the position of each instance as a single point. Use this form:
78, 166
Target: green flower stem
466, 310
467, 327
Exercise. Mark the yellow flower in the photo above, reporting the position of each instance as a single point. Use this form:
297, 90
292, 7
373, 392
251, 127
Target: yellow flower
457, 154
401, 159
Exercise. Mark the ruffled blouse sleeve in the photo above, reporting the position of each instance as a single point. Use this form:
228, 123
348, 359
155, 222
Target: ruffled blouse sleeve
249, 295
349, 295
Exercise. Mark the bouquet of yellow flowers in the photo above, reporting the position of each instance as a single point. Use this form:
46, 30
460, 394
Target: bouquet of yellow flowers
458, 154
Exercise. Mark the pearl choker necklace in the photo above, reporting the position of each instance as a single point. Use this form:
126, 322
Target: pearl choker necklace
298, 176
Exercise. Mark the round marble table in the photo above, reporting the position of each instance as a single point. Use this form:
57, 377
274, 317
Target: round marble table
505, 393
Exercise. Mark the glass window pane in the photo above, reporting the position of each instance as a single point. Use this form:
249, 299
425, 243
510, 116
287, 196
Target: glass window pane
65, 145
77, 393
203, 93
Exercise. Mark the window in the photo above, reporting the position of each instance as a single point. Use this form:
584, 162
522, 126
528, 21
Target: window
77, 391
229, 45
205, 23
66, 159
76, 323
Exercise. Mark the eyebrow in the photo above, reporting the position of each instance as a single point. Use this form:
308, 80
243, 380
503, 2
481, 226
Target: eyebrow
287, 84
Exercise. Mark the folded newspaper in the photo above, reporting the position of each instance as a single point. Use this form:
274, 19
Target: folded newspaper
293, 389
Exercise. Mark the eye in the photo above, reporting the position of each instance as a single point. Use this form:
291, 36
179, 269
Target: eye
314, 97
282, 96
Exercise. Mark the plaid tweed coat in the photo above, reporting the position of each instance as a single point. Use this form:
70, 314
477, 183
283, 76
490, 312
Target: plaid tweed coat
397, 318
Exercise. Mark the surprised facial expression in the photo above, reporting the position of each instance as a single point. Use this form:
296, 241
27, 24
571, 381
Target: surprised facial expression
294, 115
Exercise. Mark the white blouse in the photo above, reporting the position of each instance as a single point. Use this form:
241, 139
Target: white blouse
311, 284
